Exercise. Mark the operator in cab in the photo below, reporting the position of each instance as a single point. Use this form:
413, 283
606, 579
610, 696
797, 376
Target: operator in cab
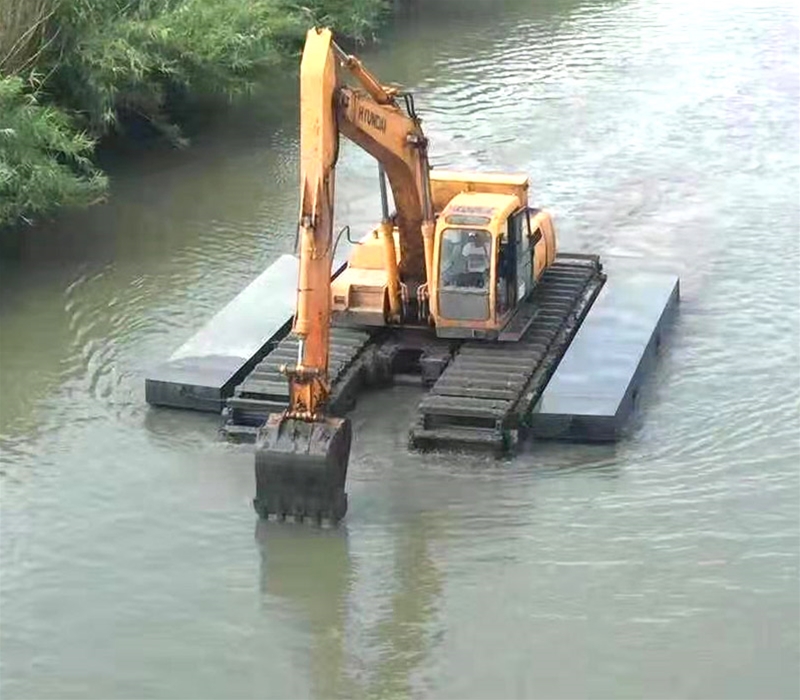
477, 254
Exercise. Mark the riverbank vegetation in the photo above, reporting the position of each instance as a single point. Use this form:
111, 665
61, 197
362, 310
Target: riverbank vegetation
73, 72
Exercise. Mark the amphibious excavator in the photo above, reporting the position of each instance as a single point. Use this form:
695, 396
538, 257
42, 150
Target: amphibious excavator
461, 280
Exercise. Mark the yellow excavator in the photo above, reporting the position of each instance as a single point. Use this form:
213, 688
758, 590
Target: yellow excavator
459, 260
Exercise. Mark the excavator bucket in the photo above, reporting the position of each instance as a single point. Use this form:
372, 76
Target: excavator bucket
301, 468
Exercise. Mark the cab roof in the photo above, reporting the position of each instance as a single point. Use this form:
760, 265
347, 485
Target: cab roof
514, 179
481, 205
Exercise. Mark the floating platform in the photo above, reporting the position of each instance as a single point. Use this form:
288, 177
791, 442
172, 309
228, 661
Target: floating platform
204, 371
593, 391
574, 374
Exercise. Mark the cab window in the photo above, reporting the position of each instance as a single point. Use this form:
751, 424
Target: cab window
466, 258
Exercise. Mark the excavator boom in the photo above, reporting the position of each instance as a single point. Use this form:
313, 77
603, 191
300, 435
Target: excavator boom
302, 454
301, 457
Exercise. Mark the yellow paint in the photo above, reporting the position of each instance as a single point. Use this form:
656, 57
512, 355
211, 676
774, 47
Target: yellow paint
446, 184
400, 258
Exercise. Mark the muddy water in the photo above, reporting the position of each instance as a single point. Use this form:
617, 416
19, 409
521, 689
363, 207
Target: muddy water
663, 132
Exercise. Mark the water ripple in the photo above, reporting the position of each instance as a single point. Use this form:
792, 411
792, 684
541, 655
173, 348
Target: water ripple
662, 134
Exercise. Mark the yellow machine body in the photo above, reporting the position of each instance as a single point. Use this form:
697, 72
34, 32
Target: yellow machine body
484, 210
459, 253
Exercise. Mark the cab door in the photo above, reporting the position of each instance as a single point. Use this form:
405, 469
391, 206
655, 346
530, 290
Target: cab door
538, 252
518, 227
542, 241
506, 272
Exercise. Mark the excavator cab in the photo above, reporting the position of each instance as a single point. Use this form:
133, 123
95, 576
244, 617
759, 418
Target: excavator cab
490, 249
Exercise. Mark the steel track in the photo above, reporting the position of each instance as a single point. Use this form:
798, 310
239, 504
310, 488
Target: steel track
488, 388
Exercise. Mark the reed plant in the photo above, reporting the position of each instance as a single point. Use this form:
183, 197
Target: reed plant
73, 71
25, 29
45, 163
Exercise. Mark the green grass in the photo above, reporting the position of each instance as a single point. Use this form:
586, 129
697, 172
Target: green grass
74, 71
24, 28
44, 162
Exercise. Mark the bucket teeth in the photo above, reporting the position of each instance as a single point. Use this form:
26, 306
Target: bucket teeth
301, 469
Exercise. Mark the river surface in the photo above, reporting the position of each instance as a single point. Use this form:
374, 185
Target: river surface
664, 132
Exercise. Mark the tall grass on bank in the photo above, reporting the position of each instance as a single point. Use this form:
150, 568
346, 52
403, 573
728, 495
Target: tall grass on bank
24, 29
76, 70
44, 162
138, 60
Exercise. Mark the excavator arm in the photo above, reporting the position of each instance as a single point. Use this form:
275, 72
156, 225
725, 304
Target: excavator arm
318, 153
393, 136
301, 455
369, 116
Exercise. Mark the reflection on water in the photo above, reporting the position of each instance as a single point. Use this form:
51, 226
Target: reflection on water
659, 132
313, 575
